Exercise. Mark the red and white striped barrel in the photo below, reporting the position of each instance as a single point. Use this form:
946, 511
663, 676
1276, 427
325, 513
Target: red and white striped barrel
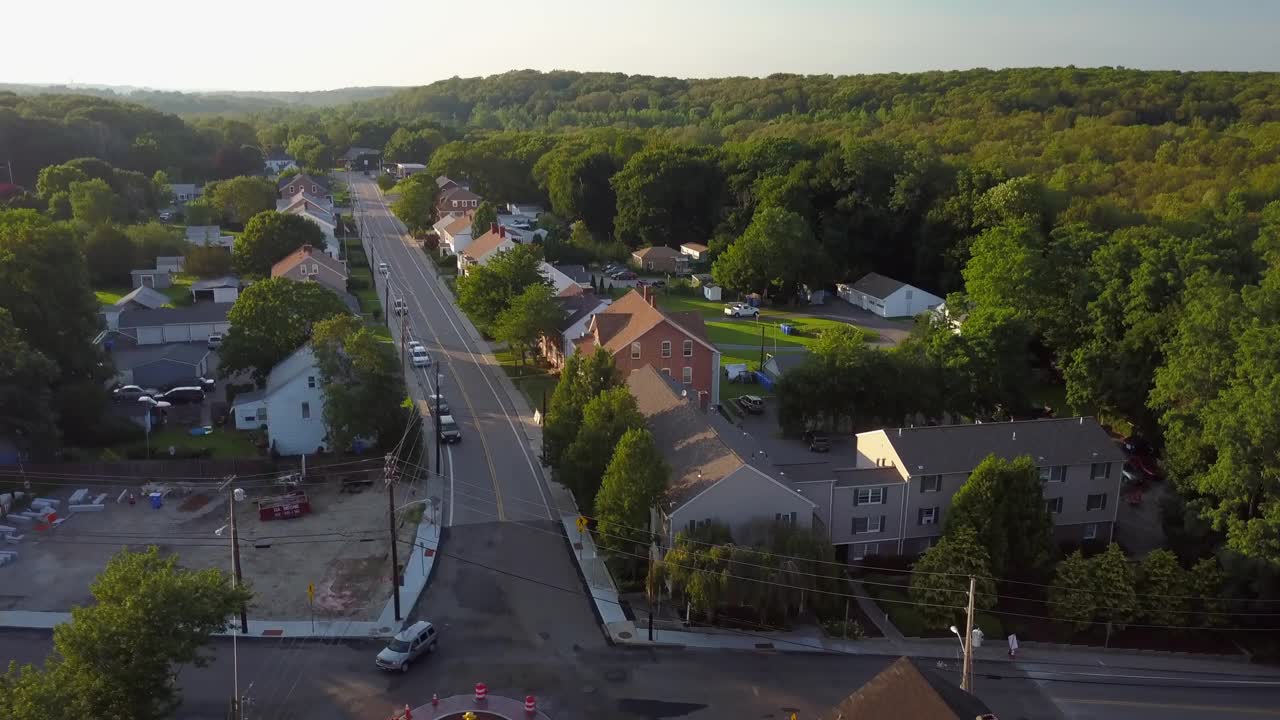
482, 692
530, 705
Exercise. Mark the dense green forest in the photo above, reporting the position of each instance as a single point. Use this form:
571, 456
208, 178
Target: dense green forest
1110, 230
209, 103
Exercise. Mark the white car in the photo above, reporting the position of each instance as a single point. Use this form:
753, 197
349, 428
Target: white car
215, 341
400, 307
384, 269
420, 356
408, 645
741, 310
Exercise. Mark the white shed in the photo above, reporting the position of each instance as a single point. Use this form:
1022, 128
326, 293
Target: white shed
887, 297
711, 292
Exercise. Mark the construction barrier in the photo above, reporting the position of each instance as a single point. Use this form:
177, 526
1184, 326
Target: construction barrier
482, 692
530, 705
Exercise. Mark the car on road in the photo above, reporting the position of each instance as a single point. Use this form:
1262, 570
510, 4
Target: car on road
132, 393
215, 341
740, 309
752, 404
817, 440
449, 430
437, 401
204, 383
407, 646
182, 396
420, 356
385, 269
401, 308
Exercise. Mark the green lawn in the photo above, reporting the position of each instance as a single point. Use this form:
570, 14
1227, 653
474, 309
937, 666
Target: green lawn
532, 380
224, 443
179, 293
725, 330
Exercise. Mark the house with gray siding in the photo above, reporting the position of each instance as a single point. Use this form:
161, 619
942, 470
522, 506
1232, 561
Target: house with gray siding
710, 482
896, 498
290, 407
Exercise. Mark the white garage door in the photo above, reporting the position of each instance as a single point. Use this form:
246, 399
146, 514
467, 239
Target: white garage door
176, 333
202, 331
150, 336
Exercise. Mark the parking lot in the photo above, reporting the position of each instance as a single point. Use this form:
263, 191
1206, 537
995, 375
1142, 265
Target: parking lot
341, 547
759, 437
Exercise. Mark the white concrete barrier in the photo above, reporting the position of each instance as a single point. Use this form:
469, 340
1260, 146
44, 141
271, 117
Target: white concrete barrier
100, 499
78, 496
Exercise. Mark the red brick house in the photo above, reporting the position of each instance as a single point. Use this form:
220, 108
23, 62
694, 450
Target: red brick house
637, 333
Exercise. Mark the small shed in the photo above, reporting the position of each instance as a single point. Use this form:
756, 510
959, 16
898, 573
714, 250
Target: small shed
155, 278
225, 289
173, 264
711, 292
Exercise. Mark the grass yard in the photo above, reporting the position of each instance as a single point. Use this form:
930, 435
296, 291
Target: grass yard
724, 330
179, 293
532, 380
223, 442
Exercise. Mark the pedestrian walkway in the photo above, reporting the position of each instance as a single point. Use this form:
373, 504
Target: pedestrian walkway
874, 613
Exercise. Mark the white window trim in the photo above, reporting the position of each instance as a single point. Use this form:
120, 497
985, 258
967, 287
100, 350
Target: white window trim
928, 516
1056, 502
635, 351
1106, 471
1091, 531
862, 550
687, 349
686, 375
925, 488
874, 492
1090, 496
666, 348
1048, 472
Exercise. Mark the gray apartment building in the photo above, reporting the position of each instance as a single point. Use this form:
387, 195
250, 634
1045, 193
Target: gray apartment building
896, 499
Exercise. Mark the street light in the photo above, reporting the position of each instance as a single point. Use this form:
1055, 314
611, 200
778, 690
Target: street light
155, 405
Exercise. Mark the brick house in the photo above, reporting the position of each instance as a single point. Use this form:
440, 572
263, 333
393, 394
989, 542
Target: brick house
660, 259
637, 333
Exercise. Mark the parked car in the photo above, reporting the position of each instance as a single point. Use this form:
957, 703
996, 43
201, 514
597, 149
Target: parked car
623, 275
215, 341
204, 383
449, 430
420, 357
182, 396
1133, 475
400, 307
740, 309
1148, 466
385, 269
437, 401
817, 440
752, 404
166, 216
132, 393
408, 645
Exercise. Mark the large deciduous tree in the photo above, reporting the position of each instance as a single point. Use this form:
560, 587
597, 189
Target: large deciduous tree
270, 236
311, 152
581, 379
940, 579
1163, 589
1073, 598
93, 202
110, 255
121, 656
776, 251
632, 483
362, 384
667, 196
416, 203
605, 419
26, 379
531, 314
1003, 503
487, 290
270, 320
207, 261
412, 146
484, 218
241, 198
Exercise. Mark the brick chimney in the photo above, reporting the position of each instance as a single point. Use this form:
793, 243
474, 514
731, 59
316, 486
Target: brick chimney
493, 227
306, 249
651, 295
502, 231
644, 292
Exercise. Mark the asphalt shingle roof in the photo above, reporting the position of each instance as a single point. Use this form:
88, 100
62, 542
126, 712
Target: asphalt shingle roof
575, 308
143, 355
959, 448
909, 689
877, 285
145, 296
198, 313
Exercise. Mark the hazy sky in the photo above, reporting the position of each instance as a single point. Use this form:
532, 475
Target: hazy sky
319, 44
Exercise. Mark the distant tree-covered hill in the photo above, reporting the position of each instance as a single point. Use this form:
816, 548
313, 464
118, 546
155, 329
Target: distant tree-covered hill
204, 103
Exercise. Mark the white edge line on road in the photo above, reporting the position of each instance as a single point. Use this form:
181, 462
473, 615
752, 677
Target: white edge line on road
416, 262
449, 451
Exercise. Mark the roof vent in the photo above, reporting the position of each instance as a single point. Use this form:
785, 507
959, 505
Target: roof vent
1015, 434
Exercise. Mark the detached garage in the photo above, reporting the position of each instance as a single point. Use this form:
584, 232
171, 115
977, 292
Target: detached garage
175, 325
887, 297
158, 366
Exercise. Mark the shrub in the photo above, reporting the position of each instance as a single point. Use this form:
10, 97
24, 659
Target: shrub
386, 182
992, 627
117, 431
355, 282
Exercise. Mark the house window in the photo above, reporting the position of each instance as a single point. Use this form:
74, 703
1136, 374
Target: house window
787, 519
930, 483
1096, 502
1053, 505
688, 348
311, 381
1100, 471
927, 516
666, 371
908, 294
863, 550
1055, 473
686, 376
1091, 531
666, 348
290, 189
306, 411
869, 496
635, 351
455, 203
262, 414
872, 524
315, 190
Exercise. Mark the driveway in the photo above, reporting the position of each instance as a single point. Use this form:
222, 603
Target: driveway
759, 439
892, 332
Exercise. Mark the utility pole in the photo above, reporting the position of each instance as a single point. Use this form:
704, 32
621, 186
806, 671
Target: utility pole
648, 581
966, 681
388, 471
404, 333
237, 578
761, 343
435, 418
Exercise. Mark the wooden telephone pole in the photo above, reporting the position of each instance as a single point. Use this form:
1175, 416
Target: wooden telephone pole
388, 472
966, 681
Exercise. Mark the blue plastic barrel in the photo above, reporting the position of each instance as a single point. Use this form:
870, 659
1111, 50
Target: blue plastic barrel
156, 500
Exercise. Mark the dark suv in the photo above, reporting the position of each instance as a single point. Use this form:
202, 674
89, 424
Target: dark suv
817, 440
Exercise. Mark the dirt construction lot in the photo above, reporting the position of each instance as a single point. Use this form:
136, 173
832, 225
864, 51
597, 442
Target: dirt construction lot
341, 547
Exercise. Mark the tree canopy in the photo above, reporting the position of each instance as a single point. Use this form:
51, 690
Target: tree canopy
270, 320
363, 388
269, 237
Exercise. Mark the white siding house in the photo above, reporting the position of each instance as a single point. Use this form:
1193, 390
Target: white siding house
887, 297
291, 406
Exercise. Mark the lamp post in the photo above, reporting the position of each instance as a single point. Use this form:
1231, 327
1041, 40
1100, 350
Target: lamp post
154, 405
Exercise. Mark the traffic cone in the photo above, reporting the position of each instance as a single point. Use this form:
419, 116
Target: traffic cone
408, 714
530, 705
435, 700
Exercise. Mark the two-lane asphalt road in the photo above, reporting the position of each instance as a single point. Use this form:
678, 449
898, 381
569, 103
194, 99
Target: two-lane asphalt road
492, 474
